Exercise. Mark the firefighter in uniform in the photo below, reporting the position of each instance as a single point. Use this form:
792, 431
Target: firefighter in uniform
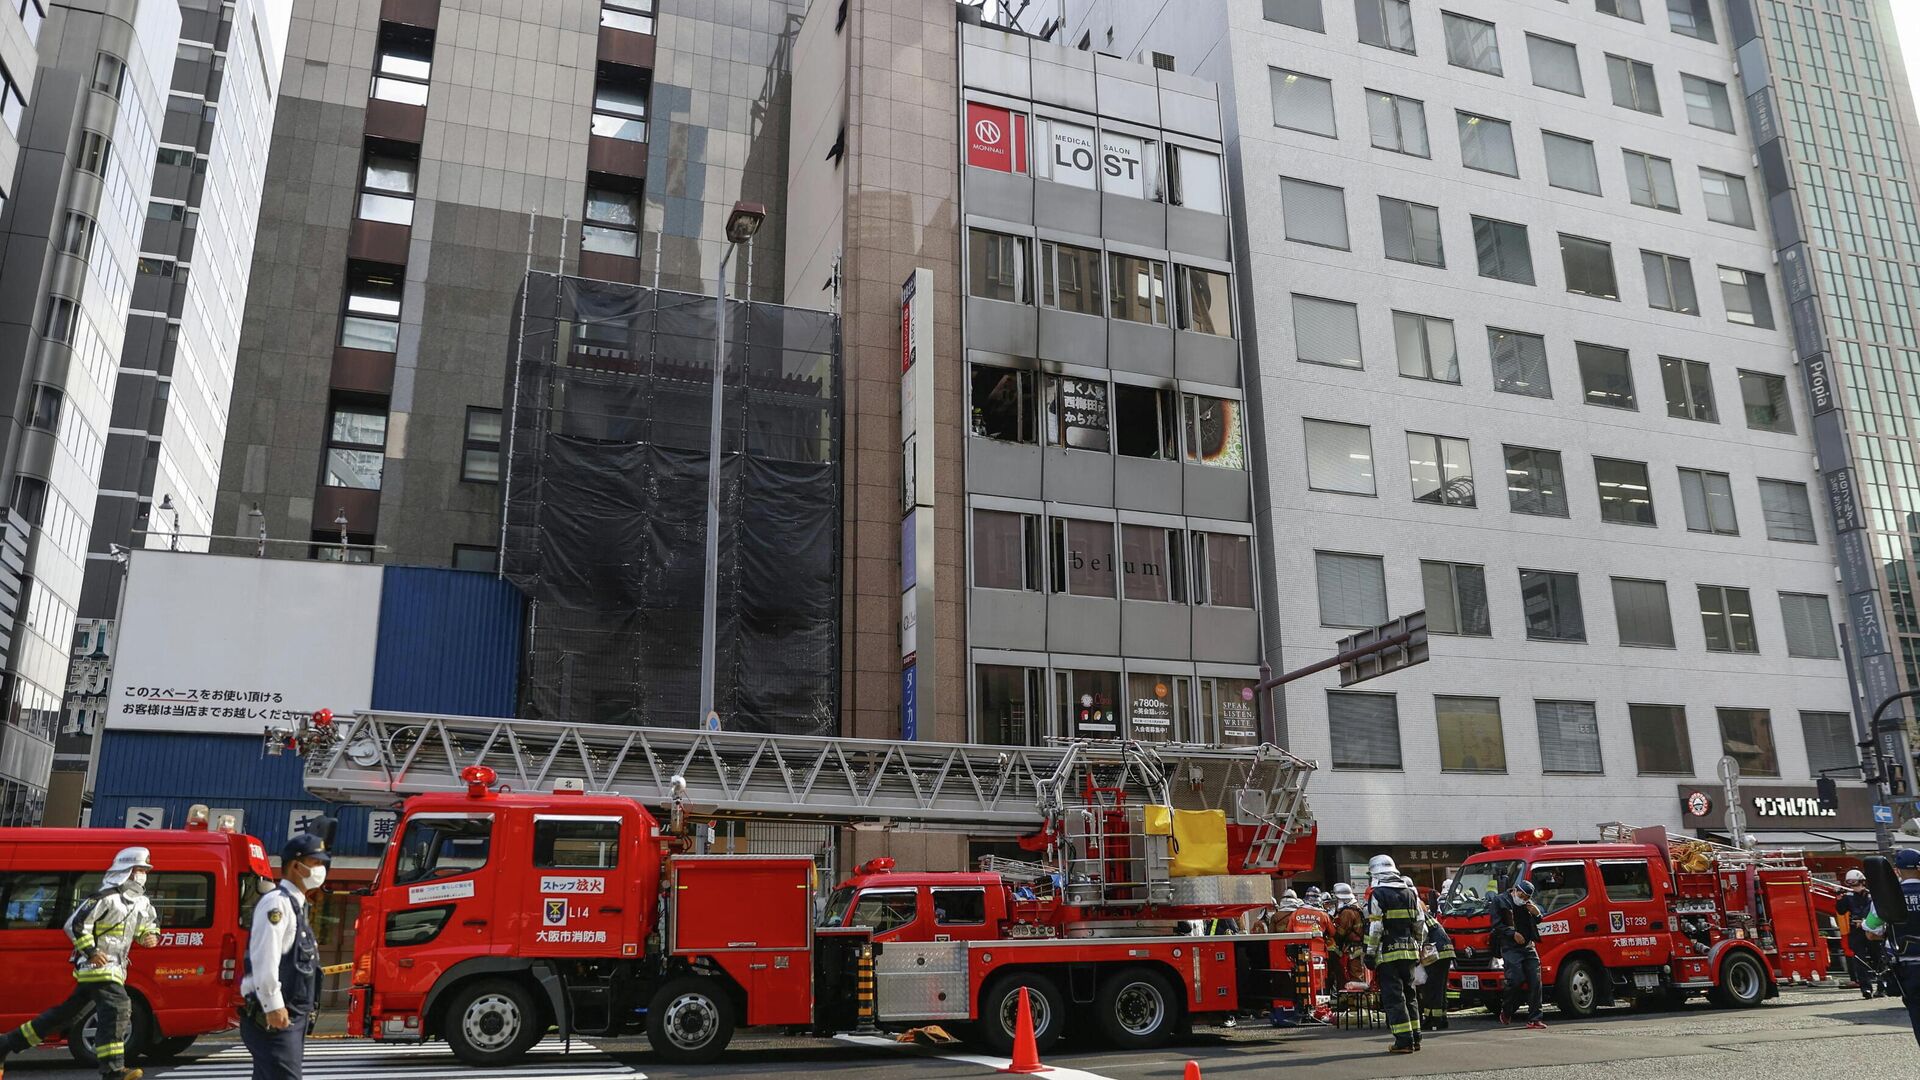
1901, 931
1396, 927
1349, 937
103, 929
1866, 958
1437, 958
282, 984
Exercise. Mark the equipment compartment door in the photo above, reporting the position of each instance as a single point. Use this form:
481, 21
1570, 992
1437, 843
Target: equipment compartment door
577, 898
1636, 915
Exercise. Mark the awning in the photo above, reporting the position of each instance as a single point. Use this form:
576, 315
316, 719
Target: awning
1837, 840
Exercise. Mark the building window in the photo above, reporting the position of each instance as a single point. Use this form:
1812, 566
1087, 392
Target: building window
1669, 283
1139, 288
1625, 496
1144, 424
1157, 708
1076, 412
1304, 14
77, 238
480, 456
1006, 551
1471, 43
473, 557
1008, 709
1314, 213
1589, 267
620, 111
1456, 599
1661, 745
1069, 278
387, 185
1486, 144
1387, 24
1556, 65
1550, 600
356, 446
633, 16
1152, 564
1426, 348
1353, 589
1689, 387
1569, 737
1707, 498
1650, 181
32, 14
1746, 735
1339, 457
1606, 376
109, 75
47, 403
372, 319
1726, 614
1441, 468
1726, 197
96, 151
997, 267
63, 320
13, 102
1570, 163
1364, 731
1206, 300
1302, 102
1784, 507
404, 66
1326, 331
1633, 85
1083, 557
1622, 9
1412, 232
1830, 742
1088, 703
1641, 613
1809, 623
1707, 103
1397, 123
1223, 568
1693, 18
1536, 483
612, 222
1503, 250
1470, 736
1213, 431
1228, 711
1194, 180
1765, 399
1005, 404
1745, 295
1519, 363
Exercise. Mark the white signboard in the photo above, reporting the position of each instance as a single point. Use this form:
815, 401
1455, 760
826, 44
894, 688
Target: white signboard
1123, 163
298, 820
576, 886
445, 890
237, 644
146, 817
380, 825
1071, 155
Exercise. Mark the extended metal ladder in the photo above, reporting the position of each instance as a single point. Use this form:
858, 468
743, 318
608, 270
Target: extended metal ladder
379, 758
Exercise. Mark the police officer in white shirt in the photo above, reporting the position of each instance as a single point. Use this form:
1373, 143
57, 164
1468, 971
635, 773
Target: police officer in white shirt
282, 984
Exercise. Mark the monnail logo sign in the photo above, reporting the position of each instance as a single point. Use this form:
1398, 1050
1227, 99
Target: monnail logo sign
996, 138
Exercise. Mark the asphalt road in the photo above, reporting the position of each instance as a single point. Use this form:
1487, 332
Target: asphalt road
1804, 1034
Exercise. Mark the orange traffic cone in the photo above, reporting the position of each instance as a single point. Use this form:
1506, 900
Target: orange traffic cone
1193, 1071
1026, 1052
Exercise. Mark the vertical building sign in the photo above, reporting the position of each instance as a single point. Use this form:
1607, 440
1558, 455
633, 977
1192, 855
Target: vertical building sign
996, 138
916, 488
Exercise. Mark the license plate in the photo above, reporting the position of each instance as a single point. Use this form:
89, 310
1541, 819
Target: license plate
1646, 981
1469, 982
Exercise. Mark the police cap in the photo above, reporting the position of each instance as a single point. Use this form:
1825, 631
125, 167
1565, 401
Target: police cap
305, 846
1907, 859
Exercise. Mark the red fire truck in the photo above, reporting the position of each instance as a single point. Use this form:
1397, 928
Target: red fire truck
202, 887
1642, 915
498, 915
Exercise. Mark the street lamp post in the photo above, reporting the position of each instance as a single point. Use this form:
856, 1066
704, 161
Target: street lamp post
741, 225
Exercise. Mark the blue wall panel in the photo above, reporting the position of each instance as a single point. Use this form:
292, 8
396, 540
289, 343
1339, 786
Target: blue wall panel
449, 643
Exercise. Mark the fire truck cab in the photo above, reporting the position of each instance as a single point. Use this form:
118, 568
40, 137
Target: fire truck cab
1640, 916
202, 886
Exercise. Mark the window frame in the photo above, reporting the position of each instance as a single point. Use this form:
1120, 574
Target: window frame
1781, 404
1276, 76
1559, 612
1547, 141
1027, 406
1384, 102
1301, 340
1588, 357
400, 85
1456, 613
1678, 372
1682, 743
1441, 717
620, 112
1060, 573
472, 445
1209, 586
1032, 571
1000, 259
1702, 478
1713, 103
1464, 121
1652, 168
1422, 329
1184, 276
1449, 470
1770, 520
1622, 483
1533, 67
1498, 339
1758, 301
1308, 425
1171, 547
1738, 197
1634, 84
351, 449
1157, 304
1335, 730
1387, 25
632, 16
1771, 749
1722, 622
1827, 646
1540, 733
1376, 573
1532, 472
1339, 194
1576, 252
1393, 213
1050, 279
1500, 236
1665, 640
1490, 53
1670, 280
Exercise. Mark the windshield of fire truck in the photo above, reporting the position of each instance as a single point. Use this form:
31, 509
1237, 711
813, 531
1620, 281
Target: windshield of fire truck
1476, 884
837, 906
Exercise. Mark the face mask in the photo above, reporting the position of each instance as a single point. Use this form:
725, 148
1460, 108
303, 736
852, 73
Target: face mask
137, 881
316, 877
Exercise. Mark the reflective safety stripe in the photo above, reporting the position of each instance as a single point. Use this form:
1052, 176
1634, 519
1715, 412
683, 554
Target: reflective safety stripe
27, 1033
1400, 913
94, 975
109, 1050
84, 941
1405, 1028
1399, 953
1443, 954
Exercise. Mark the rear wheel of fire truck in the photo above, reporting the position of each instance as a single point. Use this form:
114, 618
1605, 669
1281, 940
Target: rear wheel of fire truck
1136, 1010
690, 1020
1577, 991
1000, 1011
492, 1022
80, 1042
1743, 982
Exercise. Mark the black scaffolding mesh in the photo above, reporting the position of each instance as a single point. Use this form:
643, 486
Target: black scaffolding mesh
606, 493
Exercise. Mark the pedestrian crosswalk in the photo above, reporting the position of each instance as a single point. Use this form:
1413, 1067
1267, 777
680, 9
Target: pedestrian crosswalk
355, 1060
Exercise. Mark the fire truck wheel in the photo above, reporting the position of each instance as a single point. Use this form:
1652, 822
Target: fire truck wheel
690, 1020
1577, 991
1135, 1009
491, 1022
167, 1049
1000, 1007
81, 1045
1743, 982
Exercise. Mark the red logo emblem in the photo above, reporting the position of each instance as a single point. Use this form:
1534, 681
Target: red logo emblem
996, 138
1699, 805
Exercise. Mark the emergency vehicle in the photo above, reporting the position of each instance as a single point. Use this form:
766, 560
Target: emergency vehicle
202, 886
498, 914
1642, 915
